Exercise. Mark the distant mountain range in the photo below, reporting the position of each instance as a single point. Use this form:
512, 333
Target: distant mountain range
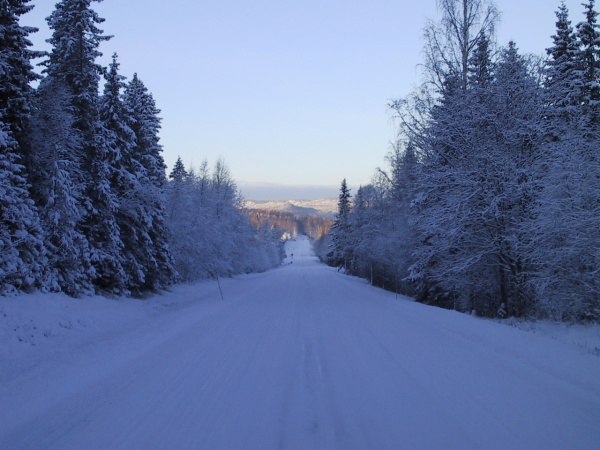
324, 207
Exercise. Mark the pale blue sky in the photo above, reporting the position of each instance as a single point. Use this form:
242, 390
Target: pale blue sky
286, 92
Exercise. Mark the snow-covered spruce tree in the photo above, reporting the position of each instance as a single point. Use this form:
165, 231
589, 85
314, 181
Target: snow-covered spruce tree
15, 66
125, 176
562, 85
23, 263
147, 163
588, 34
564, 247
178, 174
58, 187
23, 259
176, 189
72, 65
340, 253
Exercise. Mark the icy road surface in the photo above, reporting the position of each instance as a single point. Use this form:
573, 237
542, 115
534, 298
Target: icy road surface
304, 357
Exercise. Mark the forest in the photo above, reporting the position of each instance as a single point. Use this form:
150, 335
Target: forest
85, 203
289, 224
490, 200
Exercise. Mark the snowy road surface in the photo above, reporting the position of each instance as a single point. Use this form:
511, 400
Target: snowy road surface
304, 357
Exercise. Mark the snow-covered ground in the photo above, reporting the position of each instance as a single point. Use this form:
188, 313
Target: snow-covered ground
302, 357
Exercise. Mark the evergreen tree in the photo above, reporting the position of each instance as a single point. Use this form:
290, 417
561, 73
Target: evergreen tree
15, 67
23, 256
480, 65
176, 188
146, 126
115, 119
58, 188
75, 42
340, 253
564, 245
561, 81
22, 253
126, 174
147, 155
178, 174
72, 63
588, 33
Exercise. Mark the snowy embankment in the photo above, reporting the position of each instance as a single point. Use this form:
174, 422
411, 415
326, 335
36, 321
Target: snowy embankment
299, 357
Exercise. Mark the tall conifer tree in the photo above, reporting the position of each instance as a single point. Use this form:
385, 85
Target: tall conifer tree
22, 252
561, 81
72, 69
564, 246
340, 254
588, 33
126, 173
147, 154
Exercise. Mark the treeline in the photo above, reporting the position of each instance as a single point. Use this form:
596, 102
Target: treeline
83, 191
491, 200
289, 224
211, 235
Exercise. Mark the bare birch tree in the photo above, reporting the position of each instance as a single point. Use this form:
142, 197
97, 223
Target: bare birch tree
450, 42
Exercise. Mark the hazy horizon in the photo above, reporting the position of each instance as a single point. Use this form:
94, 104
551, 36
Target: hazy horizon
264, 191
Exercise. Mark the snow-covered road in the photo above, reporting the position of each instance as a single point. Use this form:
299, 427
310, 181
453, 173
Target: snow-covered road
304, 357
